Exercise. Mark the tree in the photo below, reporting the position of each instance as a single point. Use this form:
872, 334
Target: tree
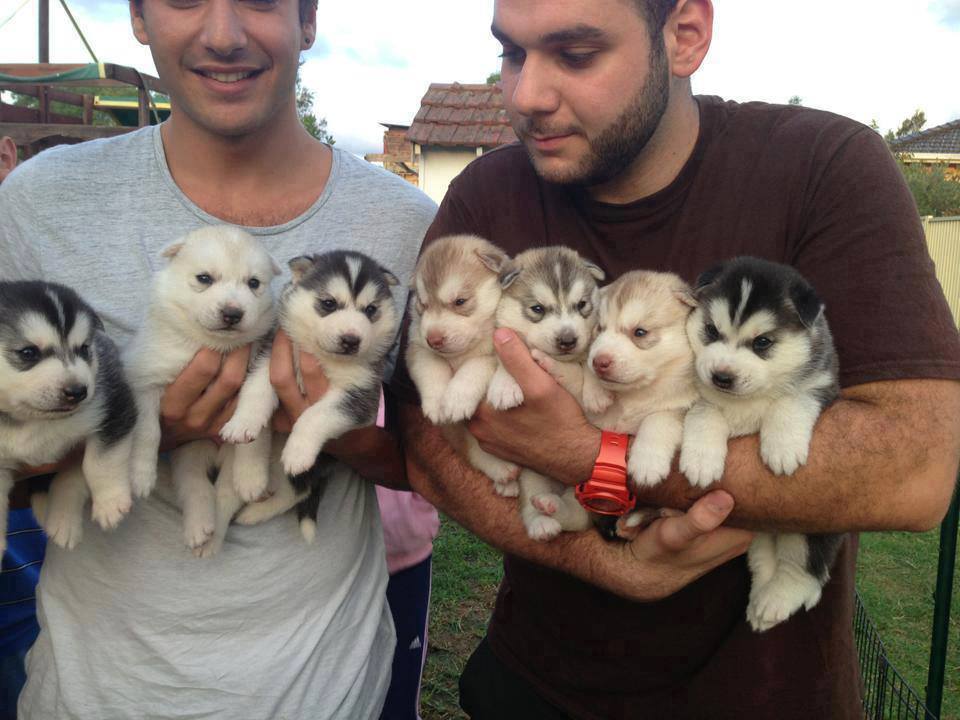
795, 100
316, 127
936, 194
912, 124
493, 78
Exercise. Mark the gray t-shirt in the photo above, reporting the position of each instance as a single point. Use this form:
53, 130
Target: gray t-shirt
132, 625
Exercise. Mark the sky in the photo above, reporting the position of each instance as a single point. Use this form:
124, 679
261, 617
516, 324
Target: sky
374, 59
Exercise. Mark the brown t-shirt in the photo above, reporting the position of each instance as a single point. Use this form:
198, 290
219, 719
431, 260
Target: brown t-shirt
798, 186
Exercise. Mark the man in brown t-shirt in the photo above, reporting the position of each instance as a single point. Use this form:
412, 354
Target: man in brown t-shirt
622, 163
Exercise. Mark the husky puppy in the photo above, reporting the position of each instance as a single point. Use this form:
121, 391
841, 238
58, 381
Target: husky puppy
214, 293
550, 298
642, 363
765, 362
61, 384
338, 308
450, 355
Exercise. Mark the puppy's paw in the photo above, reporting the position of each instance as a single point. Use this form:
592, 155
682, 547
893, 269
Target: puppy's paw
308, 529
596, 400
142, 480
542, 528
299, 454
210, 548
63, 528
432, 408
240, 430
504, 392
780, 598
108, 510
39, 502
250, 481
458, 406
506, 488
198, 526
648, 466
784, 452
702, 463
546, 503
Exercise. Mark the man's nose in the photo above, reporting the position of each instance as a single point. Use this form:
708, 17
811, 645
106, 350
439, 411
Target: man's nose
533, 91
223, 33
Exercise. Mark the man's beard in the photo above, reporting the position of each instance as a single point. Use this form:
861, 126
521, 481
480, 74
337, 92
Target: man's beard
618, 145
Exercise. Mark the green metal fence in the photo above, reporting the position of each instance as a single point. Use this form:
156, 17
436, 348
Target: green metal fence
886, 695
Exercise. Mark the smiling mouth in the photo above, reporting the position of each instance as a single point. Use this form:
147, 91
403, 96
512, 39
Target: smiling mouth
230, 77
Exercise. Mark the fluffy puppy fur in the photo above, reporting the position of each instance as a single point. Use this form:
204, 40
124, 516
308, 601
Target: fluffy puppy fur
450, 355
214, 293
338, 308
640, 366
550, 298
61, 384
765, 362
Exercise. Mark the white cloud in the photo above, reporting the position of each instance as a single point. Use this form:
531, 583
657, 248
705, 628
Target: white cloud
374, 58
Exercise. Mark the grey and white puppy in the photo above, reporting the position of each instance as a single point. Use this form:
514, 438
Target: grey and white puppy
62, 384
213, 293
765, 362
550, 298
338, 308
450, 355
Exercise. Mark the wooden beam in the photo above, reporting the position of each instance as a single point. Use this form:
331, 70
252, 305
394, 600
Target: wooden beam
68, 98
44, 31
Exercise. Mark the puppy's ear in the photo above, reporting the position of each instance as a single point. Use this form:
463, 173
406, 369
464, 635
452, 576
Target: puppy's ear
686, 296
171, 251
494, 260
299, 267
509, 273
97, 322
707, 278
806, 302
598, 274
389, 277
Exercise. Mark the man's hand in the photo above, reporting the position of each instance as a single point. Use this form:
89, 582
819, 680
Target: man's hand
283, 377
548, 432
202, 397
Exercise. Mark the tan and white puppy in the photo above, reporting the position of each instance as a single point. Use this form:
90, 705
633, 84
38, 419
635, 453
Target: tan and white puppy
450, 353
550, 298
213, 293
644, 365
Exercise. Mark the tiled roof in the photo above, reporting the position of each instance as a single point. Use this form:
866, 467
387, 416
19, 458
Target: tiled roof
943, 140
461, 116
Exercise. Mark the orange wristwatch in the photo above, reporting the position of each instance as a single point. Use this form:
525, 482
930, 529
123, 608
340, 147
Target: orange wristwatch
607, 492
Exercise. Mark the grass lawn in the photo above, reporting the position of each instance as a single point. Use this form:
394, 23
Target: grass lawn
897, 573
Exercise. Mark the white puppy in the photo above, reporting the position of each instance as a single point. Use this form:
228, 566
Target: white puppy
214, 293
450, 353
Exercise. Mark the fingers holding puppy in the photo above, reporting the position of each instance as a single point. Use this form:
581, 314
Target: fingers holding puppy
283, 377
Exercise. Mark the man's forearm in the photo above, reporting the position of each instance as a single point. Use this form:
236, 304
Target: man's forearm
884, 457
374, 454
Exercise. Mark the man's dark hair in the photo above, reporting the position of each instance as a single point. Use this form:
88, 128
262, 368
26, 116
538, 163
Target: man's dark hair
305, 6
655, 13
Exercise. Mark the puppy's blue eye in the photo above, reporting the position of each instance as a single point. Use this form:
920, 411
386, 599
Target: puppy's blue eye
459, 302
29, 353
204, 279
639, 332
370, 310
253, 283
537, 309
761, 343
712, 333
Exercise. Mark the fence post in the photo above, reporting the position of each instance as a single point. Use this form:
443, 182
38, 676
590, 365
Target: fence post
941, 606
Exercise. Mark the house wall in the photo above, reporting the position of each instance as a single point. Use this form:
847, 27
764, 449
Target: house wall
440, 165
943, 240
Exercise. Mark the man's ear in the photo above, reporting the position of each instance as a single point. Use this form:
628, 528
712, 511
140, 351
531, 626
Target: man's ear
308, 28
137, 22
687, 35
8, 157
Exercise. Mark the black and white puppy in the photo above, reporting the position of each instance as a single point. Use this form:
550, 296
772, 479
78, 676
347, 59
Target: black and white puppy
338, 308
62, 384
765, 362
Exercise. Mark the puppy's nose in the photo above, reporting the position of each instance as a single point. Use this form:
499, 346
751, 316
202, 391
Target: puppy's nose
74, 394
602, 364
436, 340
566, 341
723, 380
231, 315
350, 343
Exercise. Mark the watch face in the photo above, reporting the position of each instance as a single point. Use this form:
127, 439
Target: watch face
604, 505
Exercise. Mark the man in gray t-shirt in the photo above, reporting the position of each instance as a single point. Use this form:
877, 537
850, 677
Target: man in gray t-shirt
132, 625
